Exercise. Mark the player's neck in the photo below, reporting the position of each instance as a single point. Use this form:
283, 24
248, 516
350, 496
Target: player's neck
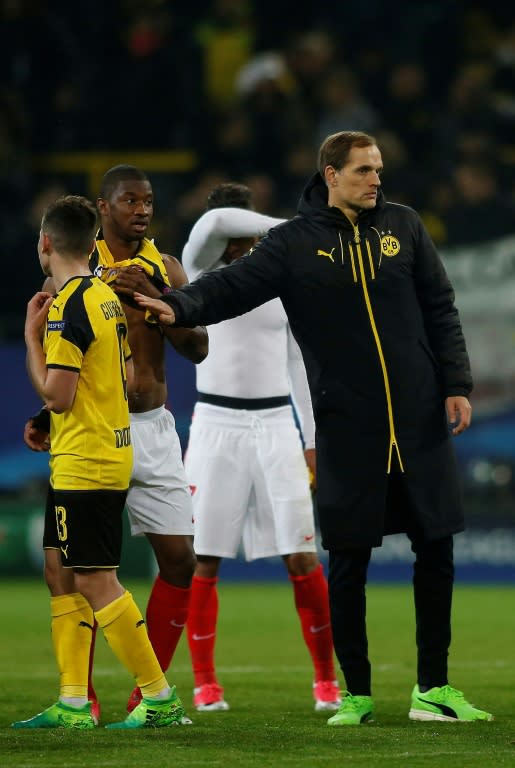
121, 249
64, 268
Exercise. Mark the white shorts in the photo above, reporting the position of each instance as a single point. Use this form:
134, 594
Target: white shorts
250, 483
159, 498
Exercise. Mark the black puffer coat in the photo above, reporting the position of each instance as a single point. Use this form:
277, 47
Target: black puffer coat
373, 312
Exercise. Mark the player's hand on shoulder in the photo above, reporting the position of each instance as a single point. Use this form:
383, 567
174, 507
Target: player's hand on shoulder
131, 279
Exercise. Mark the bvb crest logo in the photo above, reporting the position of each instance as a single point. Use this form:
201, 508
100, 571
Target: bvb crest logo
390, 246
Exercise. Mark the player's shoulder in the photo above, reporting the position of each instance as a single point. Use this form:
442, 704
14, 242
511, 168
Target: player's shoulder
72, 293
100, 301
175, 271
99, 288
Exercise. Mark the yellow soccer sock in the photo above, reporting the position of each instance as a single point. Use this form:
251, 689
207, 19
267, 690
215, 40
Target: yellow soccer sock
125, 631
72, 625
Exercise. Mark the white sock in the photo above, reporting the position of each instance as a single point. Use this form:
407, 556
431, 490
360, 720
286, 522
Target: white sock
164, 694
74, 701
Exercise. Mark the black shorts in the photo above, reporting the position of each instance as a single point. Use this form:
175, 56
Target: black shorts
86, 526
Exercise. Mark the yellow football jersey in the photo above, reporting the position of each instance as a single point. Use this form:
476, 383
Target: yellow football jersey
90, 443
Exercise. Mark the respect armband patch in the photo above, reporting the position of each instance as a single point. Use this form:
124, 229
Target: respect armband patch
56, 325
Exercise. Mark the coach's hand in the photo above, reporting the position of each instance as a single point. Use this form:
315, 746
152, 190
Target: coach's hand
162, 311
459, 413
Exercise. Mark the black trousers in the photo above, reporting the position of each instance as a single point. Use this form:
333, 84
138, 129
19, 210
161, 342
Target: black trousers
433, 578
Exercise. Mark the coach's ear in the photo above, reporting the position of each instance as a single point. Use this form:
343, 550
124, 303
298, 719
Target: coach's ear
330, 176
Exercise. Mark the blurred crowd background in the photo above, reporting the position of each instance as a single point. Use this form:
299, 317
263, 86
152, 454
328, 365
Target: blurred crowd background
246, 90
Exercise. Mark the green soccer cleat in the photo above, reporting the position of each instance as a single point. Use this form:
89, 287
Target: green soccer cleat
445, 704
154, 713
60, 715
353, 710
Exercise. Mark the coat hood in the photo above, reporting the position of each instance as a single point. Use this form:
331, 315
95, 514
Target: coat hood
313, 203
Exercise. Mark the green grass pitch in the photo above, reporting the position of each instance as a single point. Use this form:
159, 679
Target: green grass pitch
265, 669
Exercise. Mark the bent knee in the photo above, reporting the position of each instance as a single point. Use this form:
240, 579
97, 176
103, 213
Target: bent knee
301, 563
59, 580
177, 568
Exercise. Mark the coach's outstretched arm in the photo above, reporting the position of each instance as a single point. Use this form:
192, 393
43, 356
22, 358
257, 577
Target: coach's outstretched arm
256, 278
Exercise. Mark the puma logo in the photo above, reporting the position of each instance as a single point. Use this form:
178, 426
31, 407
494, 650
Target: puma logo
85, 624
320, 252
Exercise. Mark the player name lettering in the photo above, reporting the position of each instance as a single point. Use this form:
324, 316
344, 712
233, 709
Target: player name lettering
111, 309
122, 437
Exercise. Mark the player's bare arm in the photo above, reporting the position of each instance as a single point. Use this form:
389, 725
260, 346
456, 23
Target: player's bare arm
55, 387
130, 374
37, 311
192, 343
34, 436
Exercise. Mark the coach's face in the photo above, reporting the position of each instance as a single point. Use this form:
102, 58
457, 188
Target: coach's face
354, 187
129, 210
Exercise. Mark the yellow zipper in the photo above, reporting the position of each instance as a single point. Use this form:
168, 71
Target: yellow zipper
393, 440
352, 263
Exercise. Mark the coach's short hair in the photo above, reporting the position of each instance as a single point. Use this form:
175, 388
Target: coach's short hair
335, 149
